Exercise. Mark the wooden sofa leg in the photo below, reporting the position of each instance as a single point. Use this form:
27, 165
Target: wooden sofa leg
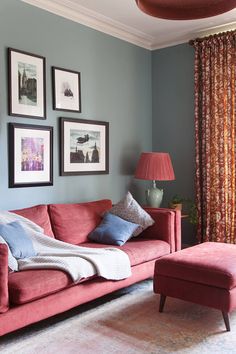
162, 303
226, 320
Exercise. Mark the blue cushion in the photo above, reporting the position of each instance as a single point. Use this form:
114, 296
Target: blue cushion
17, 239
113, 230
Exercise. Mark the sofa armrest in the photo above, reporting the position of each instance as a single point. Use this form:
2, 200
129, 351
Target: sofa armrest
167, 227
4, 297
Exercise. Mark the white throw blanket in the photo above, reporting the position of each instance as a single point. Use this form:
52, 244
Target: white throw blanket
79, 262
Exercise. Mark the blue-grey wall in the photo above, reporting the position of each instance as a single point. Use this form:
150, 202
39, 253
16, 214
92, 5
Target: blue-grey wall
173, 120
147, 97
116, 87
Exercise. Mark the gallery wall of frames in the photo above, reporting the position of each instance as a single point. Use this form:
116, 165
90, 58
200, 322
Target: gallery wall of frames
83, 144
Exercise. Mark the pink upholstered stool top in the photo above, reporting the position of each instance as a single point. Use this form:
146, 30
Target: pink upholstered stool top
209, 263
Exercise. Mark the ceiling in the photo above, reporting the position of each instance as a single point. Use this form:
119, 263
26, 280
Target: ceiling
123, 19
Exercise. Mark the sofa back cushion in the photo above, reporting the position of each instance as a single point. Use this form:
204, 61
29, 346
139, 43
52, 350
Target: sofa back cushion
73, 222
39, 215
3, 278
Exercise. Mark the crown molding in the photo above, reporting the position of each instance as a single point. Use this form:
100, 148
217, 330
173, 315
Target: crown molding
156, 46
217, 29
198, 34
92, 19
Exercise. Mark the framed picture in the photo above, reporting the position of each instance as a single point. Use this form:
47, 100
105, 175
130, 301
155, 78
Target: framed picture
66, 90
27, 92
84, 147
30, 155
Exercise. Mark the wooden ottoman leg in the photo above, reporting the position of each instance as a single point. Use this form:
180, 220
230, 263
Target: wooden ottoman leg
226, 320
162, 303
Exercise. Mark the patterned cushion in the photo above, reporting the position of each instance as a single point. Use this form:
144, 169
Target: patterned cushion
130, 210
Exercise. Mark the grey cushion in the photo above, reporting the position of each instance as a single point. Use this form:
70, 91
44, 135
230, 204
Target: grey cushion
129, 209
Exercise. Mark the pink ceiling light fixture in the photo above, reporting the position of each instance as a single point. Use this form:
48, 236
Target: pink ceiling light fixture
185, 9
154, 166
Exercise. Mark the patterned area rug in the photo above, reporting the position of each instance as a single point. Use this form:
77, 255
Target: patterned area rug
128, 322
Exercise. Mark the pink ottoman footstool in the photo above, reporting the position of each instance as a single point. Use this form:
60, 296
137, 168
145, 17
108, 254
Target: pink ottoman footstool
204, 274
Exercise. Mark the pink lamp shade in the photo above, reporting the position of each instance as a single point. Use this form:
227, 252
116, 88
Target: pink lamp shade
155, 166
185, 9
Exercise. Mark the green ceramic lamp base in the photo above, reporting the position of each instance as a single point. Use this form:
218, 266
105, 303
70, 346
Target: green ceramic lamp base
154, 196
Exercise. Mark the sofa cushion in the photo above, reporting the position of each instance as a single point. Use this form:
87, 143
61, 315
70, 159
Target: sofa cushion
18, 240
28, 285
3, 278
139, 250
39, 215
73, 222
113, 230
129, 209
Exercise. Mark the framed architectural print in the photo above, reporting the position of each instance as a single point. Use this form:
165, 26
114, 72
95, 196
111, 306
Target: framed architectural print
27, 92
30, 155
84, 147
66, 90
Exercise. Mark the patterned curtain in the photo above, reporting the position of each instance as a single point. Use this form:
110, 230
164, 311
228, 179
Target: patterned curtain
215, 134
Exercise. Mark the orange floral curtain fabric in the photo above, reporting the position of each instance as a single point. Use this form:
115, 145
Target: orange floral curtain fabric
215, 134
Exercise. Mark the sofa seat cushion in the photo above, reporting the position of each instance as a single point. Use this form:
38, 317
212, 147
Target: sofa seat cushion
39, 215
28, 285
138, 250
210, 263
73, 222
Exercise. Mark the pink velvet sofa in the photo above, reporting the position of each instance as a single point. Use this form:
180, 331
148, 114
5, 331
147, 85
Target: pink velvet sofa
29, 296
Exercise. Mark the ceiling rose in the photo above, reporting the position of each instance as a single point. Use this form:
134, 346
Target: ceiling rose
185, 9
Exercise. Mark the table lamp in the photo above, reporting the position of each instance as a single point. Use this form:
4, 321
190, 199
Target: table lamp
154, 166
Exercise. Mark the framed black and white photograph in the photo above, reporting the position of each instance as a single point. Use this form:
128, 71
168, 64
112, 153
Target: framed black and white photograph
84, 147
30, 155
27, 92
66, 90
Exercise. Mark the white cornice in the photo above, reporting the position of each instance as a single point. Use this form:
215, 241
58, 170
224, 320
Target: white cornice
80, 14
77, 13
217, 29
192, 35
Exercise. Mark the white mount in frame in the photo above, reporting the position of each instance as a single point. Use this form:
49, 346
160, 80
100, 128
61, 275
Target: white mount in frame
27, 87
84, 147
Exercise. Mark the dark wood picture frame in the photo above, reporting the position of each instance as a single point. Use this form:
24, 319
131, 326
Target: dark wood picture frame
30, 149
66, 88
26, 84
84, 147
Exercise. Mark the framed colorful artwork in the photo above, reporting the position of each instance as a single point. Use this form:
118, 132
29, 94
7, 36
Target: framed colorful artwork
30, 155
84, 147
66, 90
27, 91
